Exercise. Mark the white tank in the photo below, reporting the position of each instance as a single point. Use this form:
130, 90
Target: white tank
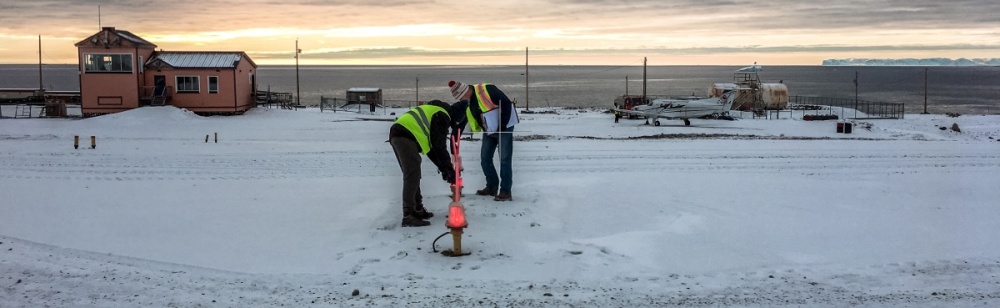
774, 95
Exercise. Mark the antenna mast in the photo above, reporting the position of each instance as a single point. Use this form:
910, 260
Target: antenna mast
99, 27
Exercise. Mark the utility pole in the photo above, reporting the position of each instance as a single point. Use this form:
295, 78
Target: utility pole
855, 96
527, 105
643, 80
41, 86
416, 99
298, 93
626, 87
925, 90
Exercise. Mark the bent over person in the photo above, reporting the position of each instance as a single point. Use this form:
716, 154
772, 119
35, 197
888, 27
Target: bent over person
422, 130
492, 112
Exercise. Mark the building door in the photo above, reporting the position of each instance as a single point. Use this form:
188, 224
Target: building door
253, 87
159, 85
159, 95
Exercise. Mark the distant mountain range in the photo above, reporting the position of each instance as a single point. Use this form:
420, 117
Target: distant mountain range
912, 62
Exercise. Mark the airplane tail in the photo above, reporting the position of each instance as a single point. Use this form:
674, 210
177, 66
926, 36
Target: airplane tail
728, 98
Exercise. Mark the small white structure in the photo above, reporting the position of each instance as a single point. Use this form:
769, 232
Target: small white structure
364, 96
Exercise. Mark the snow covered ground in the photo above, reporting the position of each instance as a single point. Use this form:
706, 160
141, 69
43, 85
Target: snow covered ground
301, 208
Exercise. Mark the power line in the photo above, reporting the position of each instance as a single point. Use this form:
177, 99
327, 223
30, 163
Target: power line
631, 65
54, 61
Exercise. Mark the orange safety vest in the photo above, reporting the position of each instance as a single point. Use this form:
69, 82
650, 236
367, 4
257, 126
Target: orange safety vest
485, 105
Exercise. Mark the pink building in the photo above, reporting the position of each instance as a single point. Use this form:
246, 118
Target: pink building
121, 71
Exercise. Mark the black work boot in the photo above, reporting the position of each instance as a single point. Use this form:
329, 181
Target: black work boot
413, 221
422, 213
503, 196
486, 192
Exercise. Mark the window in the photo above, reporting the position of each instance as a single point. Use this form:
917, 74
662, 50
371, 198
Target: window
108, 63
213, 84
188, 84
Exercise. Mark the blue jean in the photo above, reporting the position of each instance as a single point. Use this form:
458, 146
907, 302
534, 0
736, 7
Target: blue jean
506, 143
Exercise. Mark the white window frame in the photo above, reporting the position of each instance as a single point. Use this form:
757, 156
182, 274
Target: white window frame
210, 78
109, 66
197, 84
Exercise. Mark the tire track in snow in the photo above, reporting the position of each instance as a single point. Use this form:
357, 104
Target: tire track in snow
299, 165
169, 167
808, 163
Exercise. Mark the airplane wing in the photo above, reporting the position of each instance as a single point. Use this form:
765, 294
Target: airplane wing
683, 110
654, 113
625, 112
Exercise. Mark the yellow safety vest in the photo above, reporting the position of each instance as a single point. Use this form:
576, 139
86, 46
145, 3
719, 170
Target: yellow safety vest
473, 124
418, 122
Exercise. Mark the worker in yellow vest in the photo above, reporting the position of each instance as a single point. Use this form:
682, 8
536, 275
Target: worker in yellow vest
422, 130
493, 113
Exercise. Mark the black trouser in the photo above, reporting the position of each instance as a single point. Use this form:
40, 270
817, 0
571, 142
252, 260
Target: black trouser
408, 155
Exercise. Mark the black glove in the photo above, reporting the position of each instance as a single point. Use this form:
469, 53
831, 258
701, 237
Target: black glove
448, 176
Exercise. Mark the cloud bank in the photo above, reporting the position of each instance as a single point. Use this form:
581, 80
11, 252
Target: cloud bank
791, 31
913, 62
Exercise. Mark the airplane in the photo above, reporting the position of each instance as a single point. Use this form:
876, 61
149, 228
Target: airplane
684, 109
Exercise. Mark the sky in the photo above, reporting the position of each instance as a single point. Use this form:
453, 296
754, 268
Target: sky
555, 32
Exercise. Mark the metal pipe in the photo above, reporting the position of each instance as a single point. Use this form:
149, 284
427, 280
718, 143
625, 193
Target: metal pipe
456, 238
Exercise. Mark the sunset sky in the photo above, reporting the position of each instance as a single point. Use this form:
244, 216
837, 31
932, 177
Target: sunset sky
557, 32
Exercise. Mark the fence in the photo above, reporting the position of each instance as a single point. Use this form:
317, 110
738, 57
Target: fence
847, 108
270, 99
341, 104
39, 110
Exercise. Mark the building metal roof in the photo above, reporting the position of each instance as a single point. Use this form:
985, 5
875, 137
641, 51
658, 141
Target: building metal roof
199, 59
368, 90
103, 38
135, 39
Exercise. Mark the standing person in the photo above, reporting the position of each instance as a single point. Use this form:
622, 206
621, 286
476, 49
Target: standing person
422, 130
490, 111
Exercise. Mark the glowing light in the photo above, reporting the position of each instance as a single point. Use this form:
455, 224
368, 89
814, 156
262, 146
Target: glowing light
456, 216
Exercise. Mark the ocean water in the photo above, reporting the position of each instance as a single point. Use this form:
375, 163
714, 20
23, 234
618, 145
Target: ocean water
967, 90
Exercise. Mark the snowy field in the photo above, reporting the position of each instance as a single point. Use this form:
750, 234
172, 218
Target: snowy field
301, 208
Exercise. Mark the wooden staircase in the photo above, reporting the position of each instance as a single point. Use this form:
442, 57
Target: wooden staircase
158, 100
